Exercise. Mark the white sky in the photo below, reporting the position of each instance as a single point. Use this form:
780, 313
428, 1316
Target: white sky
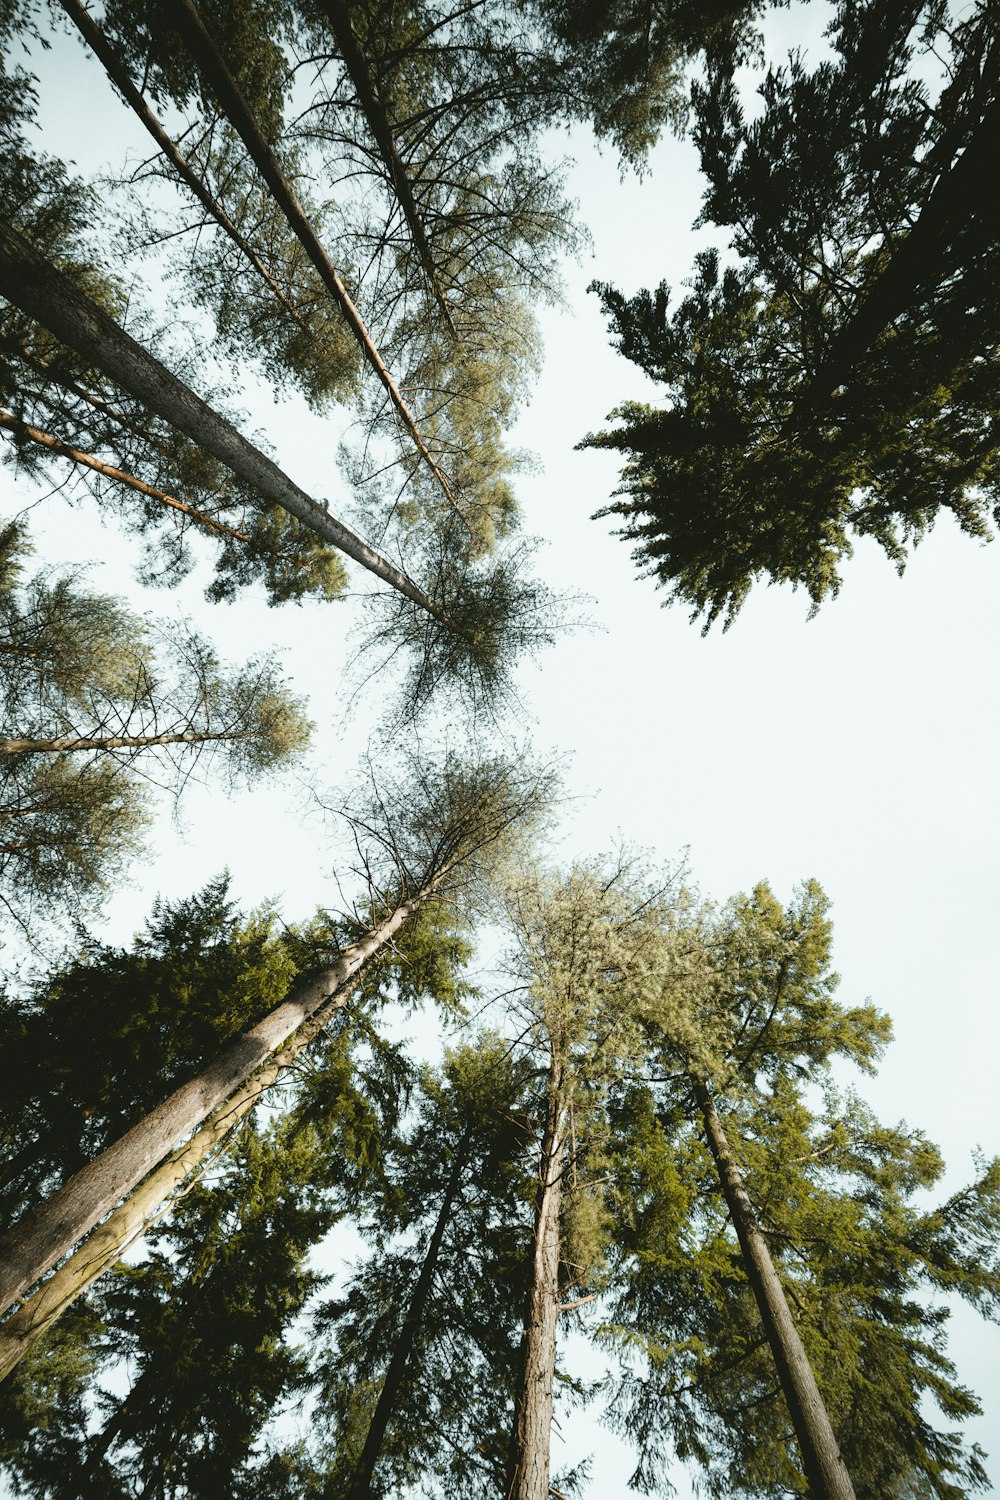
859, 747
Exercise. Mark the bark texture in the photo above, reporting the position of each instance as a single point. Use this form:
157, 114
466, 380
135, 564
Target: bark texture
70, 742
824, 1468
533, 1419
128, 1222
42, 1237
49, 297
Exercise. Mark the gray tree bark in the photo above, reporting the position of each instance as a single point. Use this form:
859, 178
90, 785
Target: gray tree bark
824, 1468
530, 1459
42, 1237
130, 1221
70, 742
49, 297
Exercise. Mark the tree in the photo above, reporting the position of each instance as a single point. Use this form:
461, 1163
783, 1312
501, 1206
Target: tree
591, 964
48, 385
45, 294
93, 701
824, 1192
431, 847
205, 1321
839, 381
415, 1372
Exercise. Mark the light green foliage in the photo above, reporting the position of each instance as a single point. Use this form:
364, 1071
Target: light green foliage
495, 612
591, 961
837, 1196
460, 821
75, 664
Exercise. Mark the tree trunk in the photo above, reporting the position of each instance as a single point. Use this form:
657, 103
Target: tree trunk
946, 210
359, 1486
234, 106
338, 16
67, 743
38, 1240
130, 1221
530, 1459
825, 1471
51, 298
87, 460
102, 49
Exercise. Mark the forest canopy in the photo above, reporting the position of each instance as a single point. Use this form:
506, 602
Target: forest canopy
496, 1149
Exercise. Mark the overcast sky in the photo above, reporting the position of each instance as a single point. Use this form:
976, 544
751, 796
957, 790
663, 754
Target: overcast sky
859, 747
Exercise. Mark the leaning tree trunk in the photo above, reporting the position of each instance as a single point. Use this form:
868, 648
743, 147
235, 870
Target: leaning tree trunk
45, 294
24, 430
67, 743
338, 15
946, 211
825, 1470
102, 48
149, 1202
38, 1240
359, 1485
237, 111
532, 1438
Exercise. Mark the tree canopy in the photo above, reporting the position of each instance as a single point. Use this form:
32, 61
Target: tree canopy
369, 1202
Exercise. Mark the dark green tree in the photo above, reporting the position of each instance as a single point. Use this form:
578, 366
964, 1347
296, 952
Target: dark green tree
839, 382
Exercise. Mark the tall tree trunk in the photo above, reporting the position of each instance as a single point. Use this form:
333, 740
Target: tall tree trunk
825, 1470
67, 743
51, 298
234, 106
338, 15
38, 1240
88, 461
102, 48
359, 1485
530, 1458
946, 210
130, 1221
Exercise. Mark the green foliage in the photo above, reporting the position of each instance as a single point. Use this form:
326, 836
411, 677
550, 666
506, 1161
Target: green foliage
620, 65
493, 614
100, 1043
834, 1192
840, 382
450, 1420
78, 665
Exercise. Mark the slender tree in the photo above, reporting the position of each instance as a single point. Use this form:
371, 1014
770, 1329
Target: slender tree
92, 701
591, 958
784, 1260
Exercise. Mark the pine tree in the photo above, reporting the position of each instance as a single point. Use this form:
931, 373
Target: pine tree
825, 1191
92, 700
839, 381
